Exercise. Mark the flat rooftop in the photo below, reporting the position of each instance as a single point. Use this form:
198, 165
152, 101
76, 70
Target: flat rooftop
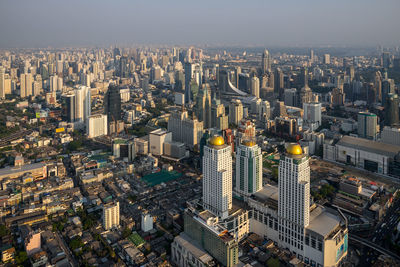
193, 247
9, 171
323, 222
369, 146
267, 192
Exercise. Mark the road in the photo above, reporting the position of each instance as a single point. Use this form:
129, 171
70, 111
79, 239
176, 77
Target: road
374, 246
64, 246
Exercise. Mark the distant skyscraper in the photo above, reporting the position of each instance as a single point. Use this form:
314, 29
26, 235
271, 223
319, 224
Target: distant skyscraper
235, 111
185, 130
312, 113
26, 84
327, 59
112, 103
248, 168
392, 110
82, 104
68, 106
189, 69
279, 83
203, 106
217, 177
255, 86
367, 125
2, 84
111, 215
266, 62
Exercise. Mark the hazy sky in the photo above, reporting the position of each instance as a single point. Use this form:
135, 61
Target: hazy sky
42, 23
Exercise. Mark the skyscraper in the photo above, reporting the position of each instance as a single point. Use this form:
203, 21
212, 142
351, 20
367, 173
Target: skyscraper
184, 129
82, 104
279, 83
26, 84
312, 113
112, 103
294, 198
68, 107
217, 177
255, 86
203, 105
367, 125
248, 168
235, 111
2, 84
392, 110
96, 125
266, 62
111, 215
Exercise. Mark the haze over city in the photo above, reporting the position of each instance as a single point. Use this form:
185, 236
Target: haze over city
257, 22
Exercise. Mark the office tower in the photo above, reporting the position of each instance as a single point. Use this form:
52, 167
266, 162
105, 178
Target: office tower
312, 113
26, 85
203, 106
110, 215
311, 56
327, 59
147, 222
392, 110
123, 67
378, 86
238, 71
53, 83
217, 177
279, 110
2, 83
338, 97
96, 125
248, 168
385, 60
305, 94
255, 86
68, 107
157, 139
279, 83
266, 62
112, 103
294, 198
265, 111
388, 87
391, 135
244, 82
350, 72
185, 130
189, 69
82, 104
235, 111
155, 74
290, 97
367, 125
218, 118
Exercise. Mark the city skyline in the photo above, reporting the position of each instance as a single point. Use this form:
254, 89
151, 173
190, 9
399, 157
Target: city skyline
258, 23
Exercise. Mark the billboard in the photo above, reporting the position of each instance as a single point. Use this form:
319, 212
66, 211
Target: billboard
60, 130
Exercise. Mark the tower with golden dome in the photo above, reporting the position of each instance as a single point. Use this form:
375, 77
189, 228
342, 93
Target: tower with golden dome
294, 198
217, 177
248, 168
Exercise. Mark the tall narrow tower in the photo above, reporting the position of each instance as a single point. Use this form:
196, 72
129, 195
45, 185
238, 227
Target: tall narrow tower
217, 177
266, 62
248, 168
294, 197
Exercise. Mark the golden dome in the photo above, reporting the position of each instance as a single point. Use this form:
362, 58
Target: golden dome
249, 143
217, 141
294, 149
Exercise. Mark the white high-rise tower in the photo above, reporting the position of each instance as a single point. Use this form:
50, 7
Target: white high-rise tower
294, 198
248, 168
217, 177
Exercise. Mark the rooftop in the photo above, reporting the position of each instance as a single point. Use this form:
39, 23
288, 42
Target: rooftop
193, 247
322, 222
369, 146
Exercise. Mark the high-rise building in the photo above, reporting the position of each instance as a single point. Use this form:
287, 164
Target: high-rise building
312, 114
2, 83
26, 84
111, 215
388, 87
217, 177
327, 59
157, 138
248, 168
294, 198
367, 125
112, 103
265, 111
218, 118
235, 111
203, 106
255, 86
290, 97
185, 130
338, 97
279, 84
392, 110
96, 125
266, 62
68, 107
82, 104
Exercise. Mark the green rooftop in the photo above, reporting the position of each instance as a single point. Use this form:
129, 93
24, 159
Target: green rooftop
136, 239
161, 177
